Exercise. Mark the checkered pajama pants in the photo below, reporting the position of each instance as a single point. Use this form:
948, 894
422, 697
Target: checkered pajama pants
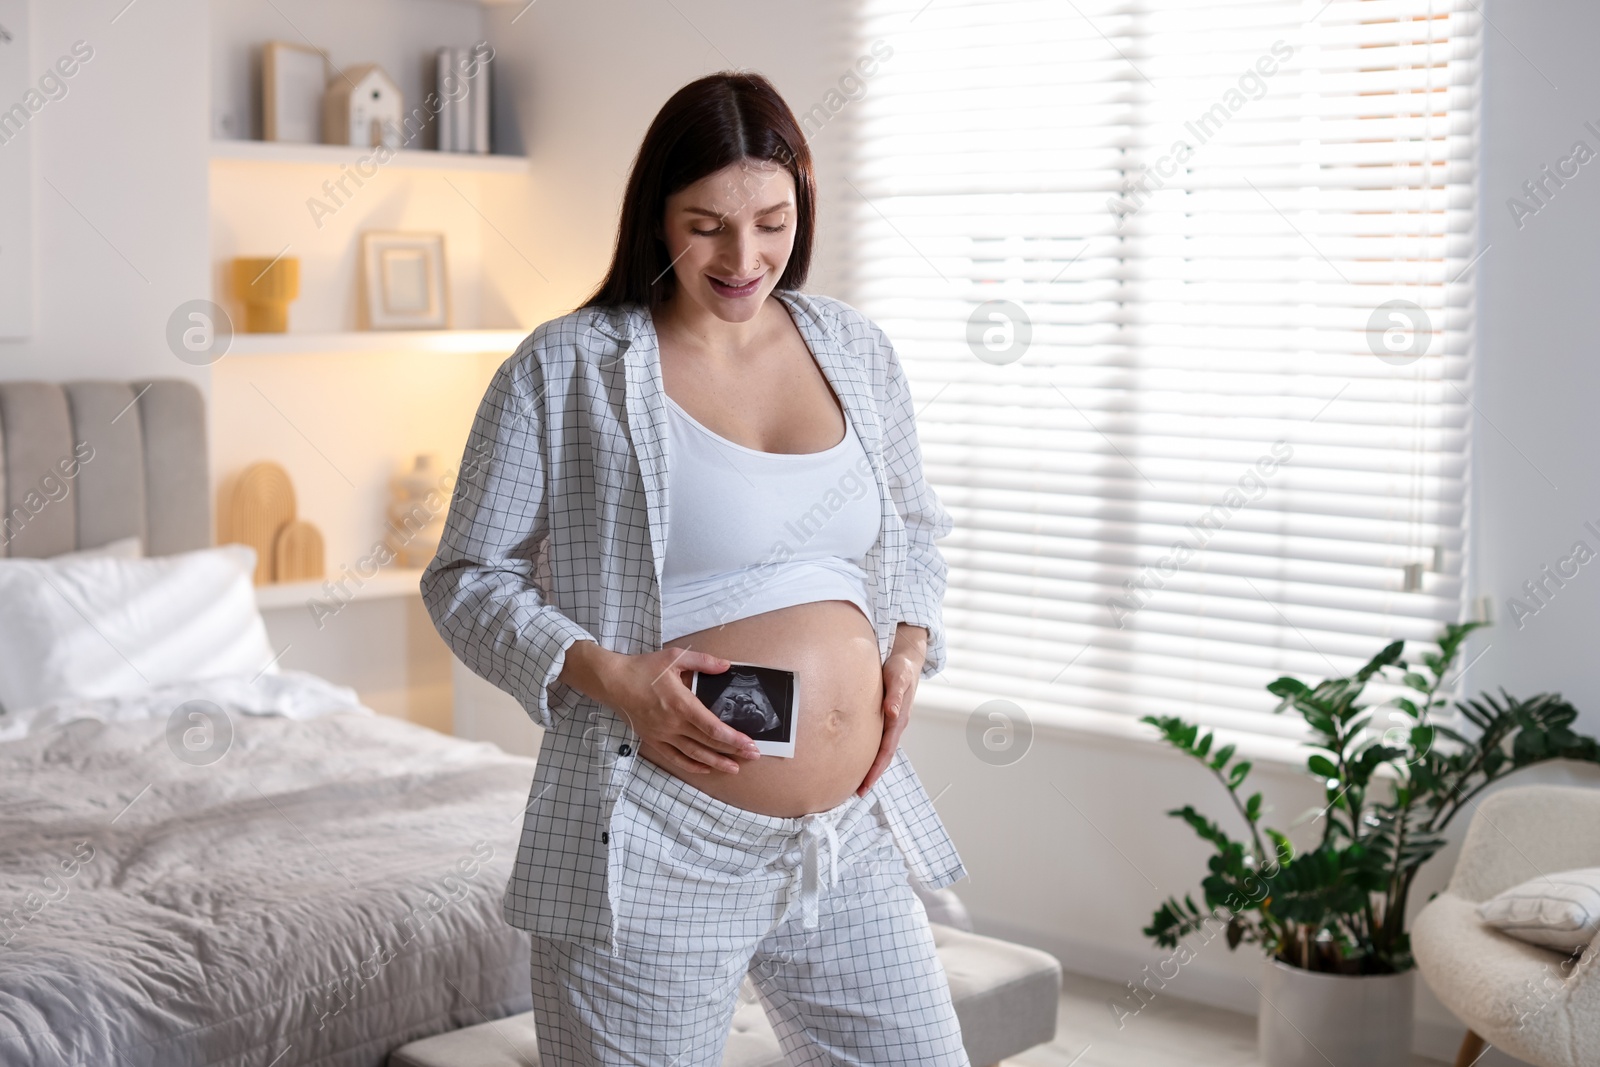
817, 909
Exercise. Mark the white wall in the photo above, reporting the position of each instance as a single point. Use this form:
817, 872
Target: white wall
1536, 481
120, 192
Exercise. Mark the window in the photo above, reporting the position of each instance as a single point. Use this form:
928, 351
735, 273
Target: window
1184, 291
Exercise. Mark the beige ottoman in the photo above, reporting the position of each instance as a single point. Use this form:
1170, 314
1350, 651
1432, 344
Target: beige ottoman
1005, 995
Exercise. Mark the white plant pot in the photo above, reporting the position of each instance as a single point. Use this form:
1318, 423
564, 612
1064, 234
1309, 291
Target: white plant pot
1333, 1020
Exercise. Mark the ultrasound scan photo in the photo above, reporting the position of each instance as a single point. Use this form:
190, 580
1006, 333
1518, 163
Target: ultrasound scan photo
755, 700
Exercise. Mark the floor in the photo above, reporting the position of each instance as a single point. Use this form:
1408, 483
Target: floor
1167, 1033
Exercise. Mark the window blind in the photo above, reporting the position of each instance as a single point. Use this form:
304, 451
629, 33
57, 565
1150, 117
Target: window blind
1184, 290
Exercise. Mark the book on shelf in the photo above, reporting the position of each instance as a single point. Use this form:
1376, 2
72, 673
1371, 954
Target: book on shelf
446, 124
479, 97
463, 81
462, 102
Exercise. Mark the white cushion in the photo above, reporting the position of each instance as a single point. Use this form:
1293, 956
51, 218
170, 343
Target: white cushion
102, 626
1559, 911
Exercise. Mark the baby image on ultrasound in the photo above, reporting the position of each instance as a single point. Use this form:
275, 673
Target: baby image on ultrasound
757, 701
744, 705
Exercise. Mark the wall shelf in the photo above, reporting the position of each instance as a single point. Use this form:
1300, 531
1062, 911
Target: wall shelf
444, 342
394, 582
332, 155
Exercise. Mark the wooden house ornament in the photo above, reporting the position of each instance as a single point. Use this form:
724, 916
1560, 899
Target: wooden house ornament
363, 108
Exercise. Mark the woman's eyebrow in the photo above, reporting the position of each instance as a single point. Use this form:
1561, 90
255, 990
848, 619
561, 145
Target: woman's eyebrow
718, 215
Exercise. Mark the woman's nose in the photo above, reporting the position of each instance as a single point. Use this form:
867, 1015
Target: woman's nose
742, 253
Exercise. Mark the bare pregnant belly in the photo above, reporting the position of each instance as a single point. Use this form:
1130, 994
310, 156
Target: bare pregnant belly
831, 647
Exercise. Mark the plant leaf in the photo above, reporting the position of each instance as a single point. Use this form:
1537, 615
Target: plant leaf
1288, 687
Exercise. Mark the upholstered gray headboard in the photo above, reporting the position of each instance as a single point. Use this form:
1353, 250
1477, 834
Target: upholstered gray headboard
84, 463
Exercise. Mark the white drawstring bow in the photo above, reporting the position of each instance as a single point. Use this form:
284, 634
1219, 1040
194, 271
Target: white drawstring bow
816, 831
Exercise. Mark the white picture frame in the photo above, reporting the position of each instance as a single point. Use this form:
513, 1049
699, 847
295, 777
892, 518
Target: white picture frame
293, 81
404, 283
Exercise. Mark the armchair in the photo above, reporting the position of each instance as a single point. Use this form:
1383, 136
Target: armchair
1531, 1002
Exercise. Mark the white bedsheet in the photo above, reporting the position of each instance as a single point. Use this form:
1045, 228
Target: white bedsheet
292, 694
325, 891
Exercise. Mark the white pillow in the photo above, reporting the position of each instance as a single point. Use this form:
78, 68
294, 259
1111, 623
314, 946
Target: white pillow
1559, 911
121, 548
100, 627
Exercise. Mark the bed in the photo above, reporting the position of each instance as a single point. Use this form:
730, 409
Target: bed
246, 867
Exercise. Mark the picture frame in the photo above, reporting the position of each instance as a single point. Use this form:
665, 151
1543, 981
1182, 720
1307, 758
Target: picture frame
404, 282
293, 81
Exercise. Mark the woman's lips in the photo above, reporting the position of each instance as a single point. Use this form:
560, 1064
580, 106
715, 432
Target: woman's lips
735, 291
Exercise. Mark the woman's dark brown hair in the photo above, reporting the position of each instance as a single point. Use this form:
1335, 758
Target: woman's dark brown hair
707, 125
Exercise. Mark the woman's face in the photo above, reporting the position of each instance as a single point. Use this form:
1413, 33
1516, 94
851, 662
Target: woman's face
729, 236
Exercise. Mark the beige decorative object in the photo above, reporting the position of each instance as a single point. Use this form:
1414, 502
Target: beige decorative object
363, 107
421, 499
294, 79
297, 556
403, 281
263, 503
265, 287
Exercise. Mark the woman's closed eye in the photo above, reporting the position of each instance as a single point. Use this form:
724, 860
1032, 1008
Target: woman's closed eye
764, 229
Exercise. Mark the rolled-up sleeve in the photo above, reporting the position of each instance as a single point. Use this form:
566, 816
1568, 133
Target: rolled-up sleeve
919, 597
479, 588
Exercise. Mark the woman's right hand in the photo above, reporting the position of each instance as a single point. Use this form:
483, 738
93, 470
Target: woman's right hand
652, 691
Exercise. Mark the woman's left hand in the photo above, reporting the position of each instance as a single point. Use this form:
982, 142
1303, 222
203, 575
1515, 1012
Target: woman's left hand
901, 672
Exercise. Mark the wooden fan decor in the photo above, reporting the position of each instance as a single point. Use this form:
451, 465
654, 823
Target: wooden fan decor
262, 515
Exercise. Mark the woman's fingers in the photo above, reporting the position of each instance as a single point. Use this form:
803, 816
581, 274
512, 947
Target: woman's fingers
722, 738
686, 661
697, 720
898, 689
898, 685
703, 662
686, 732
886, 748
700, 753
664, 754
714, 733
892, 698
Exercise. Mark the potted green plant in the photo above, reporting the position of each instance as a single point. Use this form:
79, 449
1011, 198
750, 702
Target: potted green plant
1337, 979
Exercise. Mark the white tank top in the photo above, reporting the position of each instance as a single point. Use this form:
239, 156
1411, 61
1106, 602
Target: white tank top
752, 531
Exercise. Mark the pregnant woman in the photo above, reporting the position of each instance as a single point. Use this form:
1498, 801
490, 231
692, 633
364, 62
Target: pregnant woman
700, 467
